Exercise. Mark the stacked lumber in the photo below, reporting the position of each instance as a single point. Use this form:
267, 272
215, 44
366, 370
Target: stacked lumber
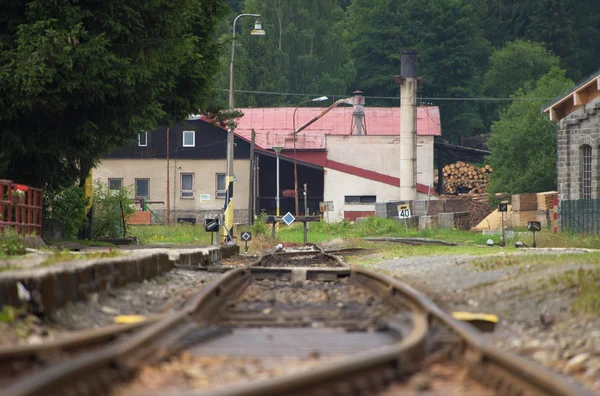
545, 200
524, 202
463, 176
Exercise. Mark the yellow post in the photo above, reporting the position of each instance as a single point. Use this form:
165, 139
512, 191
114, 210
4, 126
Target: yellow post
227, 227
89, 191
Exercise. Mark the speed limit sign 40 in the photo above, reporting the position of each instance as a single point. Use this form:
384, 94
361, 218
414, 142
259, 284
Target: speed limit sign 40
404, 211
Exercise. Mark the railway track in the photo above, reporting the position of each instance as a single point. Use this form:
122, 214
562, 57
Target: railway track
292, 322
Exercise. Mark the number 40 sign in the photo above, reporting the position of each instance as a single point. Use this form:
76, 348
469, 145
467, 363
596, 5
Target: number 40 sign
404, 211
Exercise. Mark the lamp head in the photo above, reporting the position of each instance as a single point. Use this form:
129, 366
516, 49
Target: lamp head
257, 28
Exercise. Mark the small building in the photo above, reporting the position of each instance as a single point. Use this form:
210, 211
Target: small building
358, 170
577, 113
353, 171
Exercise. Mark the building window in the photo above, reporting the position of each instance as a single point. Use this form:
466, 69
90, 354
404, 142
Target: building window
189, 139
585, 158
187, 185
360, 199
143, 139
115, 184
221, 186
142, 188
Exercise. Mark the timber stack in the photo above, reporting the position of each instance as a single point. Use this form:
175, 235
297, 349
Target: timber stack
461, 177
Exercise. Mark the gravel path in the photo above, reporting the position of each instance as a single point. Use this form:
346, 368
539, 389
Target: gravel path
160, 294
536, 319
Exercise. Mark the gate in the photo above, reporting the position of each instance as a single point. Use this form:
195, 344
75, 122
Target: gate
580, 216
22, 212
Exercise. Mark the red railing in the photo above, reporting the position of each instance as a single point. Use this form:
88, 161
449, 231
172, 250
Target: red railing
23, 213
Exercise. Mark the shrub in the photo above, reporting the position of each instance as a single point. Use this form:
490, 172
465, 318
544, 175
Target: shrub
108, 221
260, 226
68, 207
11, 243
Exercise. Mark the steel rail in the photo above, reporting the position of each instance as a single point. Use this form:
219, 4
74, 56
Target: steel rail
94, 372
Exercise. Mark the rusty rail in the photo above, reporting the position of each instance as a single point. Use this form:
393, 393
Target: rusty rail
364, 373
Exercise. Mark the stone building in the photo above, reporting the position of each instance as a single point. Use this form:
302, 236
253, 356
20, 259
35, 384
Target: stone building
577, 113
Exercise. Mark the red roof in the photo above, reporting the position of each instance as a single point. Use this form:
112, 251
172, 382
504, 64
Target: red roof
273, 124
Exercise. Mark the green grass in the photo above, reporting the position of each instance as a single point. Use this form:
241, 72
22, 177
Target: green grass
374, 227
185, 234
537, 259
63, 256
180, 234
586, 284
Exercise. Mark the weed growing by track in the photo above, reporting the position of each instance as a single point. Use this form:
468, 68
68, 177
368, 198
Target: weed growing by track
181, 234
586, 284
536, 259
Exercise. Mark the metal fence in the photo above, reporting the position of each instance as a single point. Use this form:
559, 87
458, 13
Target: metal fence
580, 216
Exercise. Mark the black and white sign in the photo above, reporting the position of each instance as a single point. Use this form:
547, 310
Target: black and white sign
503, 207
404, 211
534, 226
246, 236
288, 218
211, 225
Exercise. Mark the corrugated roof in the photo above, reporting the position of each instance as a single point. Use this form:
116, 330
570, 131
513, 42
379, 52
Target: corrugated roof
274, 124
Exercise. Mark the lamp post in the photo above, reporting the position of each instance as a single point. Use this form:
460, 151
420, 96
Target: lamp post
319, 99
228, 207
277, 150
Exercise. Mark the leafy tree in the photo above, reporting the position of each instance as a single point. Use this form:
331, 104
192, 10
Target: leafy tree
452, 52
301, 52
518, 65
80, 78
523, 141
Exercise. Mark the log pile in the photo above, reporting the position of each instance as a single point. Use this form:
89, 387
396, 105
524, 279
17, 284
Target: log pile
465, 178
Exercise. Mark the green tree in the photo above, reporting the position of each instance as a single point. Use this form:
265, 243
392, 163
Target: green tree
523, 141
108, 218
80, 78
518, 65
67, 206
452, 51
302, 52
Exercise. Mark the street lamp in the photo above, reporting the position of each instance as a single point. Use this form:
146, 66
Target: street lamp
277, 150
228, 212
319, 99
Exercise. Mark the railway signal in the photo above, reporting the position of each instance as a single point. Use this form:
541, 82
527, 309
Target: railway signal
246, 236
534, 226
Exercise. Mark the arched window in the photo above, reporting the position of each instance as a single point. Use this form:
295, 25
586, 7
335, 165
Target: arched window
585, 161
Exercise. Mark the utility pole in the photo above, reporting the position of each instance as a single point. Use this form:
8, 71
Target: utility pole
251, 180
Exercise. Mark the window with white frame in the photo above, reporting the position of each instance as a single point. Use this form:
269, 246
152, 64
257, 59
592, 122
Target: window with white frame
142, 188
143, 139
189, 139
585, 158
115, 184
187, 185
221, 186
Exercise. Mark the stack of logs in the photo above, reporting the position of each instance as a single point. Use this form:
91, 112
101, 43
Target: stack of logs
465, 178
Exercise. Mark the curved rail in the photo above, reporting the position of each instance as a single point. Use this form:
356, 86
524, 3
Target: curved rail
95, 372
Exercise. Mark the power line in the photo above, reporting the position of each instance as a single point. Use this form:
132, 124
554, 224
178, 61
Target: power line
476, 99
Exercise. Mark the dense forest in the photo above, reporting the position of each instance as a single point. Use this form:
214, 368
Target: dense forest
474, 55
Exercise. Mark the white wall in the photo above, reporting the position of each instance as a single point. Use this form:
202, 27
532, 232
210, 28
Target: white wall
339, 184
381, 154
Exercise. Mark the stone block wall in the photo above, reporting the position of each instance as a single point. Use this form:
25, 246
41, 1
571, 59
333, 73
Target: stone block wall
579, 128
